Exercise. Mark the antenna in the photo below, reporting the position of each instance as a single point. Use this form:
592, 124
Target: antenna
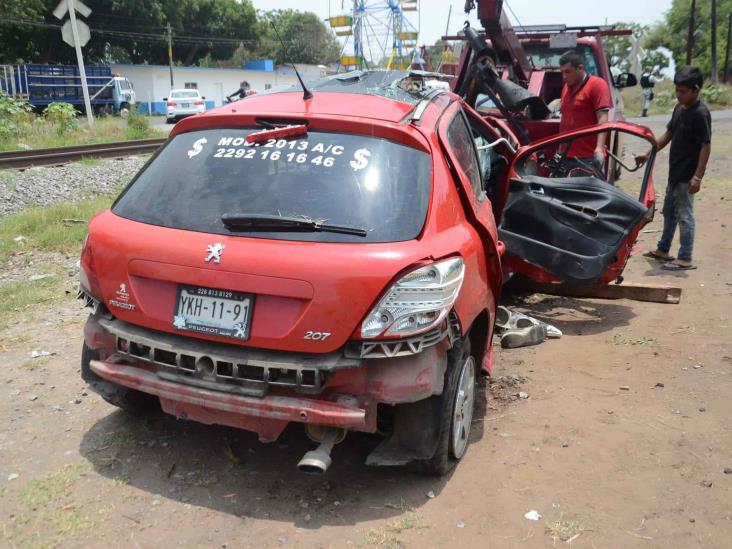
306, 93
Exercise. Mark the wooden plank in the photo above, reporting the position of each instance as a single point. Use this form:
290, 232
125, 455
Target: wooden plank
637, 292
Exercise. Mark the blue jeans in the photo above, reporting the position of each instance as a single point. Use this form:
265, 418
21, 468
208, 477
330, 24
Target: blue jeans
678, 209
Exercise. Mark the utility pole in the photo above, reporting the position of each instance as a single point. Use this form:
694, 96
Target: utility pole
690, 36
726, 55
76, 34
715, 72
170, 55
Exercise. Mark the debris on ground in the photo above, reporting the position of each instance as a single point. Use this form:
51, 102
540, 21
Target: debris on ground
520, 330
533, 515
38, 354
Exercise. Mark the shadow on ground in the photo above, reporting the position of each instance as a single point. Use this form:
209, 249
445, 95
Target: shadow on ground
571, 315
230, 471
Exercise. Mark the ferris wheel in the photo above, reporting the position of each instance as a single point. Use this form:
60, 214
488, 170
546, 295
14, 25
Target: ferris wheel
378, 34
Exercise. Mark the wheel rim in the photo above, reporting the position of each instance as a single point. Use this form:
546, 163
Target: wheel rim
462, 415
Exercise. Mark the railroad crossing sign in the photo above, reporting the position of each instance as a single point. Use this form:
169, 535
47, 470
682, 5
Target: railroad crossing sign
67, 33
76, 34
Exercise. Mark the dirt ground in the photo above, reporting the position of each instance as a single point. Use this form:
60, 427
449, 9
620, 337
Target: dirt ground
622, 441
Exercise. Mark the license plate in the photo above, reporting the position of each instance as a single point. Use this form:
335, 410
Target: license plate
185, 105
214, 312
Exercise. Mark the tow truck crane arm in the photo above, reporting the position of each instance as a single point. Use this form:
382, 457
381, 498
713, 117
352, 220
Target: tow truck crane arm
506, 44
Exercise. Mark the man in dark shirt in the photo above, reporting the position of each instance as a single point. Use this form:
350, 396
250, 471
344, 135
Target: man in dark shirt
242, 92
690, 135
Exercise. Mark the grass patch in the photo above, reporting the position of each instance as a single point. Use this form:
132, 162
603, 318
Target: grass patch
624, 339
43, 135
34, 363
50, 514
716, 98
48, 228
565, 530
18, 296
387, 537
379, 537
7, 178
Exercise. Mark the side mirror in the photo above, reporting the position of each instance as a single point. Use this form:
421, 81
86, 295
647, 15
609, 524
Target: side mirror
625, 80
165, 98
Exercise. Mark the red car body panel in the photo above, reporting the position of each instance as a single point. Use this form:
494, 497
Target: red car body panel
135, 269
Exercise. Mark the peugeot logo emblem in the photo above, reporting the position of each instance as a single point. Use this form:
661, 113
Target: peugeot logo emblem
214, 252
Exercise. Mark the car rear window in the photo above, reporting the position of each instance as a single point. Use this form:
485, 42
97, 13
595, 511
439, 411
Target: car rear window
184, 94
340, 179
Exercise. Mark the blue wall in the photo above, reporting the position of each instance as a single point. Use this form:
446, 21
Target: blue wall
260, 65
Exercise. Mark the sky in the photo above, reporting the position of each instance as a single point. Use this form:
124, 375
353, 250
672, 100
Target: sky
433, 13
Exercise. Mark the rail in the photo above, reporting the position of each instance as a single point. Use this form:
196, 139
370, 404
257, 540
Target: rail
63, 155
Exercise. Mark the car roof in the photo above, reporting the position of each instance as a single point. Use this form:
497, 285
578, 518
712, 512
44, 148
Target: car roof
184, 90
379, 96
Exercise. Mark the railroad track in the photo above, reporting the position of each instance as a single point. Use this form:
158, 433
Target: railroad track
63, 155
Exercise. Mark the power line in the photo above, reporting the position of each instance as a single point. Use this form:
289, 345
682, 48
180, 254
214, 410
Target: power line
188, 40
514, 14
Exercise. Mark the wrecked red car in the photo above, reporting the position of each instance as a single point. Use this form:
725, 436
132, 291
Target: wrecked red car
335, 261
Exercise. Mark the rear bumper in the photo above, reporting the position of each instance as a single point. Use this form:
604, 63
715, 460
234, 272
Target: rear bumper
267, 415
345, 393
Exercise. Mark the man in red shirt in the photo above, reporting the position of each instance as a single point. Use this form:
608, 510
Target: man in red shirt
585, 102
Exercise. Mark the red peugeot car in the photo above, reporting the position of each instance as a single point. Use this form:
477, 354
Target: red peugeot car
335, 262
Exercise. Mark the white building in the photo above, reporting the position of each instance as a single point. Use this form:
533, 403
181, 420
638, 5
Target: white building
152, 82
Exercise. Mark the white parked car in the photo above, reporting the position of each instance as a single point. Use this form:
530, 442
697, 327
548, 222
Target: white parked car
182, 103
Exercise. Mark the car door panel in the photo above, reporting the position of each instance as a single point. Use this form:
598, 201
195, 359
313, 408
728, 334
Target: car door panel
578, 230
571, 229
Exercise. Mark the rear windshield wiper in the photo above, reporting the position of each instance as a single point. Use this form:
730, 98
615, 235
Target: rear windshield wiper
246, 222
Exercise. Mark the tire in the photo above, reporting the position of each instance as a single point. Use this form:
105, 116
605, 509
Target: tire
458, 403
130, 400
124, 111
170, 120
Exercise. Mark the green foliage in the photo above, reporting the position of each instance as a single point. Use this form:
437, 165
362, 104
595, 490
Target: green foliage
138, 125
14, 115
673, 32
307, 38
220, 18
716, 94
62, 116
620, 50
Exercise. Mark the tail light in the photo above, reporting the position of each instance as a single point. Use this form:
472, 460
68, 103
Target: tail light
172, 104
417, 302
87, 277
199, 102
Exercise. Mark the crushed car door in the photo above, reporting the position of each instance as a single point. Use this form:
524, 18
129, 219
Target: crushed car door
563, 220
479, 159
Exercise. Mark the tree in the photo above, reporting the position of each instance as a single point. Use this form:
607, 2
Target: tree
635, 52
672, 32
620, 48
307, 38
129, 30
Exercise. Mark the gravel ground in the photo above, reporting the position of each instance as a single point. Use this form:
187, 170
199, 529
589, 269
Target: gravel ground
69, 183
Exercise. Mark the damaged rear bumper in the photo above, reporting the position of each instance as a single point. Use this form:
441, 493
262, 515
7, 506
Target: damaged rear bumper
267, 416
256, 389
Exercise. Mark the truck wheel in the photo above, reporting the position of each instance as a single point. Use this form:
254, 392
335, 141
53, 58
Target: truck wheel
130, 400
124, 111
458, 401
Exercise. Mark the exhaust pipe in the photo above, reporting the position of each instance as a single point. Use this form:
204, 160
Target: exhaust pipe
317, 461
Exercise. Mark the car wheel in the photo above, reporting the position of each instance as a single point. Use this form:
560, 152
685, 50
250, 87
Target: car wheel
130, 400
456, 416
169, 120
